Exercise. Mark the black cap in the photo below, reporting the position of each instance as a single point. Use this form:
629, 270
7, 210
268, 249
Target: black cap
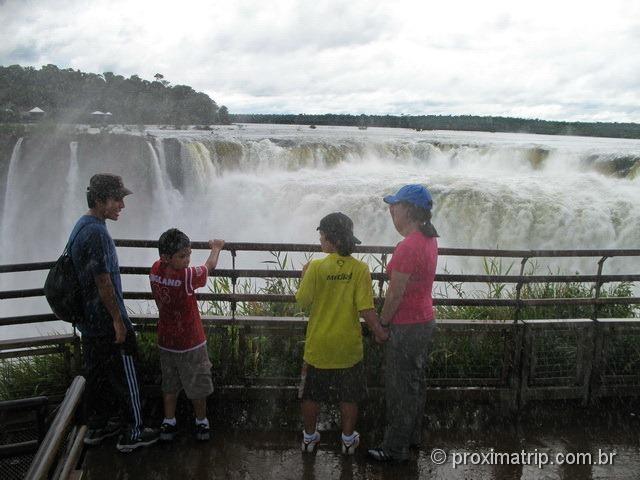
108, 185
338, 223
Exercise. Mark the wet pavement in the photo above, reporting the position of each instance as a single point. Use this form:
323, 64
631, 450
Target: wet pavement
537, 453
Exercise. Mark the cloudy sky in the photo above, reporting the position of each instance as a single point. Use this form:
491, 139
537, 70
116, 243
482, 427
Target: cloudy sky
560, 59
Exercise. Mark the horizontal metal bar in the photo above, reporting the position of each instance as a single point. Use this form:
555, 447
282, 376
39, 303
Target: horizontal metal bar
37, 341
24, 319
380, 249
18, 449
26, 267
31, 352
462, 278
299, 247
460, 302
445, 277
254, 247
33, 292
24, 403
549, 302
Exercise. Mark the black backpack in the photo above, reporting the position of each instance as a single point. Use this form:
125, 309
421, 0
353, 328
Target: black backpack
62, 288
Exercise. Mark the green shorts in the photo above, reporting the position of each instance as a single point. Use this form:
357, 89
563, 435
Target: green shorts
190, 371
335, 385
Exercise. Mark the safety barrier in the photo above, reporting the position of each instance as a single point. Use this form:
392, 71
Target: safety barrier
513, 359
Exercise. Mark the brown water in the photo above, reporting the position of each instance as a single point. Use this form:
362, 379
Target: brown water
266, 455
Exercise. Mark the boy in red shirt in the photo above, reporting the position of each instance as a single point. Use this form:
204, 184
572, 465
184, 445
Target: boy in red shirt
184, 360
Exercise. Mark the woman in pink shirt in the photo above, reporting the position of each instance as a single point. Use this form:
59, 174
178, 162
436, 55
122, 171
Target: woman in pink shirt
408, 311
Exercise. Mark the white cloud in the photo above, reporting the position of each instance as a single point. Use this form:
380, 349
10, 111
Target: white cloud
547, 59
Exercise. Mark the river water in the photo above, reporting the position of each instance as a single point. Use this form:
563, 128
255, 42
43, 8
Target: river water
273, 183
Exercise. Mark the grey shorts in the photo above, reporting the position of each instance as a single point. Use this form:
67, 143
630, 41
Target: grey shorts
190, 371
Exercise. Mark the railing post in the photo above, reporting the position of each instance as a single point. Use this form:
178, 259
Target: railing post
516, 313
517, 375
234, 279
598, 287
383, 264
593, 368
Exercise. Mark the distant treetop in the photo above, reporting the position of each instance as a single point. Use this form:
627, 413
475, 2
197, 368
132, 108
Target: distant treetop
71, 95
450, 122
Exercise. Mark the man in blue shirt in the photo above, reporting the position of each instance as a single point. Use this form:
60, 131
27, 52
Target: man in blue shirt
108, 339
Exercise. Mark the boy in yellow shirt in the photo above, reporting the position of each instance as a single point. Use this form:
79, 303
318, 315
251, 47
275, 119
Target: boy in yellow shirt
338, 289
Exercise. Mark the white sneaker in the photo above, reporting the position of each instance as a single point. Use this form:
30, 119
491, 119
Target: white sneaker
309, 446
350, 448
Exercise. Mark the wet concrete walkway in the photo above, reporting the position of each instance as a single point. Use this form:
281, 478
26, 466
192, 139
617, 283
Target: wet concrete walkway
249, 455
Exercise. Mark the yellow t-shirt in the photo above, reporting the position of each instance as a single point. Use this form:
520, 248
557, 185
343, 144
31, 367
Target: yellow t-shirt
337, 288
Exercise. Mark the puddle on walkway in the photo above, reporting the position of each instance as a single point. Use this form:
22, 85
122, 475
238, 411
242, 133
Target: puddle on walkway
247, 455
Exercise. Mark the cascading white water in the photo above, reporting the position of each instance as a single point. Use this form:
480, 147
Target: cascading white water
11, 203
73, 189
159, 191
200, 173
274, 183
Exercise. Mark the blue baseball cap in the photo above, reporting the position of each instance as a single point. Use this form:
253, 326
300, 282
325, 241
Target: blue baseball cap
414, 193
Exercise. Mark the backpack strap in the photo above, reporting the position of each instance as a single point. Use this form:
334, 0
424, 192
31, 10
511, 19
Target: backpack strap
67, 248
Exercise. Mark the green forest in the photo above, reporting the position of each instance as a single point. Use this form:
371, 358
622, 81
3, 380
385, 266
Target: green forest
449, 122
69, 96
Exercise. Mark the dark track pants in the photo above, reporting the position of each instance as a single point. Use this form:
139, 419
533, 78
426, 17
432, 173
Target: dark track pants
112, 382
405, 359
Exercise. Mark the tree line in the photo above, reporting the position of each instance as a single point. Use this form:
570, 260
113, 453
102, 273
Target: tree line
70, 95
450, 122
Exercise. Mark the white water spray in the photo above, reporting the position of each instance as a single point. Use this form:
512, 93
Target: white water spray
273, 184
72, 184
11, 203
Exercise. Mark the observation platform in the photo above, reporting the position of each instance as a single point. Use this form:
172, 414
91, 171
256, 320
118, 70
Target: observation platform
532, 339
276, 455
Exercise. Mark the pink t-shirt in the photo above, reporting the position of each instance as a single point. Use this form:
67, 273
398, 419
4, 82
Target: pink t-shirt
416, 255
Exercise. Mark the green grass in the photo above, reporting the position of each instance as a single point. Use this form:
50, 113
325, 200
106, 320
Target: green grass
533, 291
34, 376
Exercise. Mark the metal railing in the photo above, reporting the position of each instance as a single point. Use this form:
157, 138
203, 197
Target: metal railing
522, 374
22, 429
52, 452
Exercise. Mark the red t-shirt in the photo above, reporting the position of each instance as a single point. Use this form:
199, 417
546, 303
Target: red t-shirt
417, 256
179, 327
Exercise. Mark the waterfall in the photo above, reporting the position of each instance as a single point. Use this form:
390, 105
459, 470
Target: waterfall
159, 191
162, 162
274, 183
270, 183
11, 205
72, 185
200, 172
